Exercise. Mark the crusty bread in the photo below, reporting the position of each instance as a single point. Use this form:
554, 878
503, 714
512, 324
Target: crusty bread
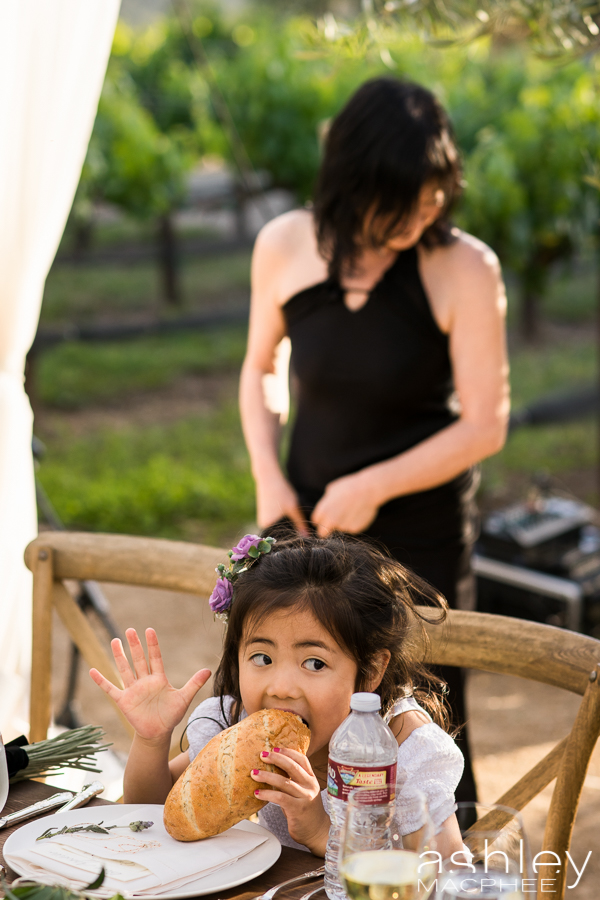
216, 789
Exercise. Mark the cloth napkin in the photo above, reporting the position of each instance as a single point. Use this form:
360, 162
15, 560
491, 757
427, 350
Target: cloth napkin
136, 863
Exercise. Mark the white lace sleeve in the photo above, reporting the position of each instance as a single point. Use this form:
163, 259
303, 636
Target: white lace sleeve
205, 722
428, 760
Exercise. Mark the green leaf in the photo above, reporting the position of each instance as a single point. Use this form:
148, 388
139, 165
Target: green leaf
264, 547
97, 881
253, 552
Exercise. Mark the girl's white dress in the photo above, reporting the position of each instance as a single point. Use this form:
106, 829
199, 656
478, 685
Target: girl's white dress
429, 758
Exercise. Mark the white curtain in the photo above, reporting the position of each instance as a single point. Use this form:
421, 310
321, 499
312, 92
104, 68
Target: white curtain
53, 57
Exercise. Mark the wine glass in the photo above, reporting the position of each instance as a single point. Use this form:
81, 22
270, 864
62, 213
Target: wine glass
376, 862
3, 776
495, 861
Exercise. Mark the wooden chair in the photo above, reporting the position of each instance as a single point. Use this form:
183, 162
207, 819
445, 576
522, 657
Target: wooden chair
507, 646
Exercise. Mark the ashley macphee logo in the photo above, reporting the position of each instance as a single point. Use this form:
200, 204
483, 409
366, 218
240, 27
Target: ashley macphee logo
494, 870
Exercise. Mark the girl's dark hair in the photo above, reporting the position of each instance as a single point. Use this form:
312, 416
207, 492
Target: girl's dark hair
390, 139
364, 599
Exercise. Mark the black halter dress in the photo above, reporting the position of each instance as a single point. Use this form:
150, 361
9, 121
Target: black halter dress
369, 385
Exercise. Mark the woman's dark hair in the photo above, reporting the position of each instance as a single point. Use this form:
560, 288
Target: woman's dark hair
364, 599
392, 138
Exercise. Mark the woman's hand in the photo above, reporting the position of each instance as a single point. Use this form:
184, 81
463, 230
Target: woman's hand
299, 796
348, 504
151, 705
276, 499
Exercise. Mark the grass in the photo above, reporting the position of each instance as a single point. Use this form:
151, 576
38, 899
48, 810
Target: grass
572, 293
544, 369
556, 449
188, 480
191, 479
83, 294
74, 375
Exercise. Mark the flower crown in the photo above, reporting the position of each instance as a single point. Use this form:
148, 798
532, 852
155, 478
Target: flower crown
250, 548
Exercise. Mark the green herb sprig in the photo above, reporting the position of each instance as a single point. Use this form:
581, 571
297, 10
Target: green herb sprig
74, 749
96, 827
34, 890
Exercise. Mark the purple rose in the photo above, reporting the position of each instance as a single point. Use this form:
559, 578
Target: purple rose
220, 599
241, 551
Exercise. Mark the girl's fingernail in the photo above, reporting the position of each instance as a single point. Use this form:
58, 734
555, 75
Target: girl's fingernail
276, 750
255, 771
264, 753
256, 793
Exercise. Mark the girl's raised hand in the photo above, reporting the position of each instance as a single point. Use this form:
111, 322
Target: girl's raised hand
151, 705
299, 796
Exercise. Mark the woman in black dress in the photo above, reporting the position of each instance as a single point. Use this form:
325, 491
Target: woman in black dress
398, 362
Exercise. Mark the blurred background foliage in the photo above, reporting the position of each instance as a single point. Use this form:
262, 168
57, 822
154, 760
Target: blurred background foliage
529, 130
255, 90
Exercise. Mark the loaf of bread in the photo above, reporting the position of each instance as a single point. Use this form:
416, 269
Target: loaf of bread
216, 789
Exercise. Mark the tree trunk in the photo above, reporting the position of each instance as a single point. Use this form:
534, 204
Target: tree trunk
84, 232
598, 368
533, 283
167, 254
534, 280
529, 313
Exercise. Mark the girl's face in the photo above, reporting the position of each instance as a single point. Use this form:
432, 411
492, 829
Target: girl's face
289, 661
429, 206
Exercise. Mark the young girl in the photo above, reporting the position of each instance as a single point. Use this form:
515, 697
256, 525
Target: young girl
310, 621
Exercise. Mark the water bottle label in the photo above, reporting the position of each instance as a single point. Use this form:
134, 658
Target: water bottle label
343, 778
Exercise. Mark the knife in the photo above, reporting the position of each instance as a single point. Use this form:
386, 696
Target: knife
36, 808
84, 796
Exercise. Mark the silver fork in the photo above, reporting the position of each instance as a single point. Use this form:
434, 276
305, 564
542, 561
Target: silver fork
312, 893
300, 879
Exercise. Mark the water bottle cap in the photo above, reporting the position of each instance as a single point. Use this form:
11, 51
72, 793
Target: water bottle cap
363, 702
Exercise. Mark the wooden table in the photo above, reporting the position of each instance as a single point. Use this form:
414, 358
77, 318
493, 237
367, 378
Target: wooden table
290, 863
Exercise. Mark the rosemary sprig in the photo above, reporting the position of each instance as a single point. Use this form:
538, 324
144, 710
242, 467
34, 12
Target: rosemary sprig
72, 749
96, 827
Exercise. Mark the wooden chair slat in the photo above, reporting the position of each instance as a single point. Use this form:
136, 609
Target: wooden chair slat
171, 565
526, 788
85, 639
569, 783
41, 655
508, 646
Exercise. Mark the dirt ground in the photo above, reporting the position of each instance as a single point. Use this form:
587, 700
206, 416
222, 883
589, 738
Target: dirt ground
513, 723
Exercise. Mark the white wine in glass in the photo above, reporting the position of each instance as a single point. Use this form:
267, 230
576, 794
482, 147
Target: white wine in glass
388, 875
375, 862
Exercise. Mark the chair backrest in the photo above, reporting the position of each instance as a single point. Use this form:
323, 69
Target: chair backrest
473, 640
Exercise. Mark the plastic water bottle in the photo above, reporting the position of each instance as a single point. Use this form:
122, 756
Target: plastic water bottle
362, 753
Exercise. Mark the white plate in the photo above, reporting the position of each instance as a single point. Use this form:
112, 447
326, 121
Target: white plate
250, 866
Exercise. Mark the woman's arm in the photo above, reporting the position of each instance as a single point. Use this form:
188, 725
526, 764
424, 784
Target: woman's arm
275, 496
472, 312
